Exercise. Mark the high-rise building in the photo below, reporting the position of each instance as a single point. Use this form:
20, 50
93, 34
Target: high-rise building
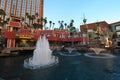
19, 8
16, 10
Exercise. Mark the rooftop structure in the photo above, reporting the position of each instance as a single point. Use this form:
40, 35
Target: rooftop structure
92, 26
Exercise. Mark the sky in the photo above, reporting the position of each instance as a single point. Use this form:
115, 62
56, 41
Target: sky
92, 10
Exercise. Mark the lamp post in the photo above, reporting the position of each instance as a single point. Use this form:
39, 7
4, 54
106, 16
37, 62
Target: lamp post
84, 21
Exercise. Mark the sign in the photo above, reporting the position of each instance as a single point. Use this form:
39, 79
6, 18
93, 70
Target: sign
25, 37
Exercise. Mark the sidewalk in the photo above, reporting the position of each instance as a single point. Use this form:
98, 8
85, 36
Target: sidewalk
14, 51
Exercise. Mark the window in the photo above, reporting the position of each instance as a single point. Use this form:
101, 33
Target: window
117, 27
118, 34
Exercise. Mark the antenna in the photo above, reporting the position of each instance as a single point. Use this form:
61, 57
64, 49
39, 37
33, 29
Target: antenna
84, 19
83, 15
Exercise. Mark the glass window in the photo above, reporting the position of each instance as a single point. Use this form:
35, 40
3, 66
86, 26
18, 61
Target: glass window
118, 34
117, 27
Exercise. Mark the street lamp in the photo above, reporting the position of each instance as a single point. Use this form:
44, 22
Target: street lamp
84, 21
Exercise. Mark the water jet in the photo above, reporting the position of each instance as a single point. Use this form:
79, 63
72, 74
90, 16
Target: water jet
42, 56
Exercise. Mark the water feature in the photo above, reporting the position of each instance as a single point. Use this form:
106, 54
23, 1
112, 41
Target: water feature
81, 68
97, 53
42, 56
69, 51
97, 50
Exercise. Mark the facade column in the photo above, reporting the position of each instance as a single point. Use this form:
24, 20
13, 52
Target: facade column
26, 10
11, 3
16, 7
31, 7
35, 11
41, 10
5, 6
0, 3
10, 41
21, 8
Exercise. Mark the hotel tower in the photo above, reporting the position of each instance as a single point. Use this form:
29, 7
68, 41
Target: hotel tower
16, 10
19, 8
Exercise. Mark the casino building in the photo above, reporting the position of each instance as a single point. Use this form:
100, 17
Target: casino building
18, 35
19, 8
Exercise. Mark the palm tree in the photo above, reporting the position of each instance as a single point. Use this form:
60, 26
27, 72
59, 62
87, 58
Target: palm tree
65, 25
29, 17
62, 21
32, 18
45, 21
50, 23
2, 12
38, 20
71, 23
37, 24
36, 14
53, 25
3, 22
61, 24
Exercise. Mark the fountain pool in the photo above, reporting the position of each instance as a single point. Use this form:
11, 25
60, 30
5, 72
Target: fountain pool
70, 68
67, 51
97, 53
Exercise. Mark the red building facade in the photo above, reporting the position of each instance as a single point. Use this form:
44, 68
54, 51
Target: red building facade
28, 35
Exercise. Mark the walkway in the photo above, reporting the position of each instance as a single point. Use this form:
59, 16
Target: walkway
8, 51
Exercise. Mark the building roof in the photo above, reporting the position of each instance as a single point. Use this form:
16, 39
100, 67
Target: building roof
93, 25
118, 22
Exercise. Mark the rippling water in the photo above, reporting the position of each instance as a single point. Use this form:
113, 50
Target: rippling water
69, 68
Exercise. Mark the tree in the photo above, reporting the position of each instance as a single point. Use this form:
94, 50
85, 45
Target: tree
36, 14
32, 18
37, 26
3, 22
50, 22
2, 12
65, 25
29, 17
53, 25
71, 23
45, 21
61, 24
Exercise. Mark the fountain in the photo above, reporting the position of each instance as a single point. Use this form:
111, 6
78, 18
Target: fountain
97, 53
42, 56
97, 50
69, 51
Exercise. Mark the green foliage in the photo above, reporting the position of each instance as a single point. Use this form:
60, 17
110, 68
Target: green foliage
2, 12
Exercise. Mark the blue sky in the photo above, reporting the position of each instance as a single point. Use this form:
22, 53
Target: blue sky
94, 10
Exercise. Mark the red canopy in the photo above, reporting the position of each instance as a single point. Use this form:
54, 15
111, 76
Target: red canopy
14, 24
53, 38
9, 34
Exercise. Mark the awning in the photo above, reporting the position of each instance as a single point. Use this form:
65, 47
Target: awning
14, 24
53, 38
9, 34
71, 39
